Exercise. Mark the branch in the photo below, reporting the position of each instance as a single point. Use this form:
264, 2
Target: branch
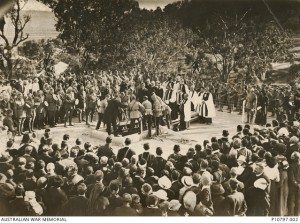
22, 39
5, 39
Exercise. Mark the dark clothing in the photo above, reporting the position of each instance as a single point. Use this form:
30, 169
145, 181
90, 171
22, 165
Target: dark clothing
148, 157
125, 152
158, 165
105, 150
152, 212
235, 204
125, 211
76, 206
19, 207
54, 200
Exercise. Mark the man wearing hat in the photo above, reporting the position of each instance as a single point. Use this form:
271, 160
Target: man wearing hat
69, 102
135, 113
50, 98
125, 209
91, 100
250, 105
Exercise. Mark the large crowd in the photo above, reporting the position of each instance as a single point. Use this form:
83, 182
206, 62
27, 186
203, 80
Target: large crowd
251, 172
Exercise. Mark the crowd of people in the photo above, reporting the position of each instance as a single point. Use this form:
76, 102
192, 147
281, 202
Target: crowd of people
252, 172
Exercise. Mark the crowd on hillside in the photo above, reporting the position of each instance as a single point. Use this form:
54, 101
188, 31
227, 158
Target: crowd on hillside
252, 172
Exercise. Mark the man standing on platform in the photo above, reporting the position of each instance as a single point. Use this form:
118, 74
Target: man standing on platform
135, 113
111, 114
157, 111
148, 115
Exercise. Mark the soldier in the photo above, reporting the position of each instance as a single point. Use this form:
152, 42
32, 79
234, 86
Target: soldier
52, 101
101, 106
90, 105
158, 107
250, 104
69, 103
135, 111
19, 112
81, 102
30, 111
148, 115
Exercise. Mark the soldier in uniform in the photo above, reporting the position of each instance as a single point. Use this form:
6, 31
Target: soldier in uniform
250, 104
90, 105
69, 102
19, 112
158, 107
135, 111
148, 115
52, 106
81, 96
30, 111
101, 106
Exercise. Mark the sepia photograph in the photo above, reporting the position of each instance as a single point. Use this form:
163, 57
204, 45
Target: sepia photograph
149, 108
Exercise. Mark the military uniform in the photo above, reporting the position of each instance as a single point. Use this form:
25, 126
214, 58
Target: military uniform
148, 116
135, 110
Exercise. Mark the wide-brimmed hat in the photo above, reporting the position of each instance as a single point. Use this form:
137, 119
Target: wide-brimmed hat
5, 158
161, 194
174, 205
7, 190
217, 189
261, 183
164, 182
187, 181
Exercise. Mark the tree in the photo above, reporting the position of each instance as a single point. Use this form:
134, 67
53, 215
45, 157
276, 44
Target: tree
156, 43
92, 29
19, 21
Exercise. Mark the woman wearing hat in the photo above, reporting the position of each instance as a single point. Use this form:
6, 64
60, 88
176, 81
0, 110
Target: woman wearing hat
19, 112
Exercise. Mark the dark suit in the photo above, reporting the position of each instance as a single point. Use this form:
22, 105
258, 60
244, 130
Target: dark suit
111, 114
152, 212
158, 165
125, 152
124, 211
76, 206
235, 204
54, 200
148, 157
